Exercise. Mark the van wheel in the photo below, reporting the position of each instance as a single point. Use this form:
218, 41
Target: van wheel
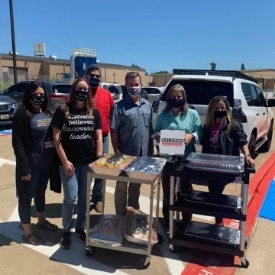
252, 146
266, 146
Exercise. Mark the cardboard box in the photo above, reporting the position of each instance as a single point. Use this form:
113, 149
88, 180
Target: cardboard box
172, 142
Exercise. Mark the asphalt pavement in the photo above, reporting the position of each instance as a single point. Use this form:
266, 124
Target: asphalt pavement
19, 257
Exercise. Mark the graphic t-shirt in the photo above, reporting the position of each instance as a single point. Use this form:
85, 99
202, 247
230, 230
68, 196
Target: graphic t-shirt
78, 134
214, 138
41, 156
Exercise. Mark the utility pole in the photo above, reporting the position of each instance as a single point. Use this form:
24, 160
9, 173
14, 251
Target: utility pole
13, 42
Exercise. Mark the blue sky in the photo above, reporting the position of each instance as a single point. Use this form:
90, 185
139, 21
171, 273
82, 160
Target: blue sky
153, 34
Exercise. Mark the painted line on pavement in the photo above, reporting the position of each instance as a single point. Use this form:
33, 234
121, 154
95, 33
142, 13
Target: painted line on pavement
72, 257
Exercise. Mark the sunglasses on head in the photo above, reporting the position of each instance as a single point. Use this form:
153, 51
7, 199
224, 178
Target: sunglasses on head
95, 75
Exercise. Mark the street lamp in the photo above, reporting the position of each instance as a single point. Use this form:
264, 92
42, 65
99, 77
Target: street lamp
13, 42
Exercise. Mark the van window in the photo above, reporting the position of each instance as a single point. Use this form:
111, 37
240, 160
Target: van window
200, 92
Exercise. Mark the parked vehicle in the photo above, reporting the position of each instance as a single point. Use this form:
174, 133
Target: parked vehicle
246, 98
114, 88
8, 108
57, 92
153, 92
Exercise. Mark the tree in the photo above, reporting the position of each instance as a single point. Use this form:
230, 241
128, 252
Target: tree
161, 72
135, 66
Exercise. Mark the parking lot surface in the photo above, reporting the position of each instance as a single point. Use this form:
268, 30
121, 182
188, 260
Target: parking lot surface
18, 257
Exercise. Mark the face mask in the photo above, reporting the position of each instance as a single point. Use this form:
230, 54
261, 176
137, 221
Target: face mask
80, 95
220, 114
134, 91
37, 100
176, 103
94, 81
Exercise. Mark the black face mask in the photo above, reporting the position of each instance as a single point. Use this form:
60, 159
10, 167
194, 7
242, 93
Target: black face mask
37, 100
80, 95
220, 114
94, 81
176, 103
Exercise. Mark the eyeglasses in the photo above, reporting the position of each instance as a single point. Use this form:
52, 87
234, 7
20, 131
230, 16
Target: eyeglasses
95, 75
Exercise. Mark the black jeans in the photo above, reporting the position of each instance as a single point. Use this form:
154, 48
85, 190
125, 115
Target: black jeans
215, 190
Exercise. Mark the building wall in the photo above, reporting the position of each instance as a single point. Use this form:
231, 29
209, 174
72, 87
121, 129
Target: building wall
46, 69
39, 68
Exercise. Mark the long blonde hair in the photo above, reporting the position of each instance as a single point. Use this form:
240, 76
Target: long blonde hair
210, 119
176, 87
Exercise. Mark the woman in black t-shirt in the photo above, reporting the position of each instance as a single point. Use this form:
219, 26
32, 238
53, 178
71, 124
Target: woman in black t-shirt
77, 134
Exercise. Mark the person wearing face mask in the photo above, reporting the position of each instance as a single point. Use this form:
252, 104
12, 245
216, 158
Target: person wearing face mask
34, 153
222, 134
131, 129
77, 136
177, 116
103, 102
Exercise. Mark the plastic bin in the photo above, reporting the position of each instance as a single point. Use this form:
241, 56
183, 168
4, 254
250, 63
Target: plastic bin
215, 163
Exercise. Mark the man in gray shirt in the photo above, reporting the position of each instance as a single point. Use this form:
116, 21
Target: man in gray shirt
131, 129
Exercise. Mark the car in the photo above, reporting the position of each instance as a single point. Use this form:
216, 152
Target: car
57, 92
153, 92
249, 105
114, 88
8, 107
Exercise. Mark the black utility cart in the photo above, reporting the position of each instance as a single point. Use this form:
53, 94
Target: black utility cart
201, 235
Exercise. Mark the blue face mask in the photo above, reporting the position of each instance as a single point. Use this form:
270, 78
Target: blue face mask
176, 103
37, 100
81, 95
94, 81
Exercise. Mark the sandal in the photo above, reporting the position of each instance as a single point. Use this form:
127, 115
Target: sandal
47, 225
34, 239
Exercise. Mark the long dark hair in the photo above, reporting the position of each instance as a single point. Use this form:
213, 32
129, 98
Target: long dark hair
30, 89
88, 106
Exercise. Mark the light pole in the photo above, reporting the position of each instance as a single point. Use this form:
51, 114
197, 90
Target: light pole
13, 42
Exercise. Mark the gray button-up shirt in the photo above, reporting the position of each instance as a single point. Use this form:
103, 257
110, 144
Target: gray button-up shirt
132, 124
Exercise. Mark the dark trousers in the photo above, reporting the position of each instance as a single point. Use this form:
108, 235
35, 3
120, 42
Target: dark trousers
215, 189
36, 188
186, 187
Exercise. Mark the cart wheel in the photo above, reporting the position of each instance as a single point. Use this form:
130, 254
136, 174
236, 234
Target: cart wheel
144, 263
90, 251
244, 262
172, 248
160, 238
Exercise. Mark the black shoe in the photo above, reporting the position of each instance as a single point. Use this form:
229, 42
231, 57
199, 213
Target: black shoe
66, 240
81, 233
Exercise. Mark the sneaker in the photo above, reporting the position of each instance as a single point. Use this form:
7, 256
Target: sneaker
81, 234
66, 240
99, 207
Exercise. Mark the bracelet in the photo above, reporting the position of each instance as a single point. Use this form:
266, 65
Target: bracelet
248, 155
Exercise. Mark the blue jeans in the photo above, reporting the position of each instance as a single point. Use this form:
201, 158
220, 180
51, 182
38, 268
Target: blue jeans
36, 189
75, 189
98, 185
